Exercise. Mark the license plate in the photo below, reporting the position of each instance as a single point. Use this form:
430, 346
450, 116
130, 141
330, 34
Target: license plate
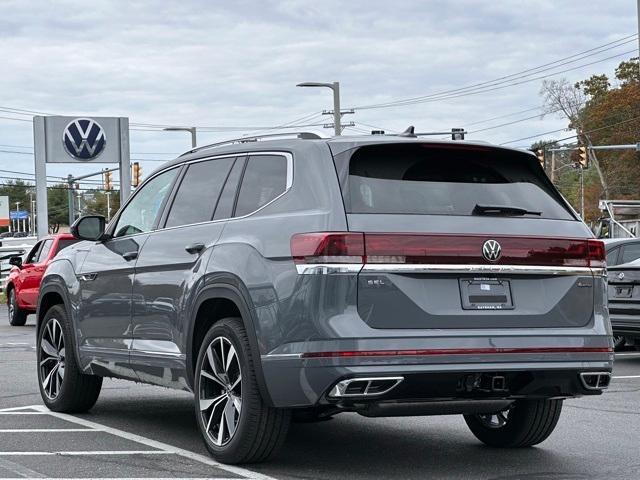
624, 292
486, 294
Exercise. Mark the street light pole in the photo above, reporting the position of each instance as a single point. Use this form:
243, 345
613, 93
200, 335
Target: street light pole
337, 114
191, 130
17, 219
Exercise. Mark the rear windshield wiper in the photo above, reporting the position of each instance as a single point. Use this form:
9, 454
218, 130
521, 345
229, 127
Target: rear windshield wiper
502, 210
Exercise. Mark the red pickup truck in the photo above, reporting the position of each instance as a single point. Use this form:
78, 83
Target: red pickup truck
24, 279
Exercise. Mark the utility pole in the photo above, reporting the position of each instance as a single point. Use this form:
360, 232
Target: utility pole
337, 113
638, 12
553, 166
108, 194
72, 216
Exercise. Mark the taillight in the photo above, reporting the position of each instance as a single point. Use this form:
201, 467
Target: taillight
328, 247
597, 253
401, 248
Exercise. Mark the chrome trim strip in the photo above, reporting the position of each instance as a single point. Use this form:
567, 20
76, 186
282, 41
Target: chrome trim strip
280, 356
600, 385
328, 268
340, 388
307, 269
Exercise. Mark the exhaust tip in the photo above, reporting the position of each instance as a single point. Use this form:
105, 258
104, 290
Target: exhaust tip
595, 380
364, 387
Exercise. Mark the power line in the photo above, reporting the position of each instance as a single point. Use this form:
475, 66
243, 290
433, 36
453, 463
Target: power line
496, 86
514, 76
571, 136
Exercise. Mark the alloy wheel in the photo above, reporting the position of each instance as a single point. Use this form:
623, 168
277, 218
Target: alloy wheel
220, 392
52, 358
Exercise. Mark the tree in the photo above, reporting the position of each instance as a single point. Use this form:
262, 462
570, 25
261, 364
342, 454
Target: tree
96, 202
58, 205
628, 72
561, 96
17, 191
595, 87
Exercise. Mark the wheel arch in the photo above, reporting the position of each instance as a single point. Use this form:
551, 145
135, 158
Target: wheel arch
225, 295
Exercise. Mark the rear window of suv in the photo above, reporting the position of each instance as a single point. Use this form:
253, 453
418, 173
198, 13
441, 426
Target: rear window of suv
428, 179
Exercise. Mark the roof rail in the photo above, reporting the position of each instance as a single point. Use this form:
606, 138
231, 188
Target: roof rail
255, 138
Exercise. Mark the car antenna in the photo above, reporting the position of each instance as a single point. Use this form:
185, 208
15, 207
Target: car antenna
409, 132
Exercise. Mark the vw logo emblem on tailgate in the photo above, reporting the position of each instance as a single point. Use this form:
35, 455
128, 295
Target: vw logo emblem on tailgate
84, 139
491, 250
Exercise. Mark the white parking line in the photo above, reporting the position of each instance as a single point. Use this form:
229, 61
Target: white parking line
45, 430
628, 354
162, 448
88, 452
627, 376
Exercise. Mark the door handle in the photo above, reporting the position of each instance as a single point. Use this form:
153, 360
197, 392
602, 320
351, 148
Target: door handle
130, 256
194, 247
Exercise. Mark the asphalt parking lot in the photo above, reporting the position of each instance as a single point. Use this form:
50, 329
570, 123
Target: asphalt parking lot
138, 431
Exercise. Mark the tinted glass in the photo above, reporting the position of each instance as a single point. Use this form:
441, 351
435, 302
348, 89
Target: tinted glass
434, 180
33, 254
66, 243
140, 214
612, 257
228, 196
264, 179
198, 192
44, 251
630, 252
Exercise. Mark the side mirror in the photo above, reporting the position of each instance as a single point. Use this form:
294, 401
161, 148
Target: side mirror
16, 261
90, 227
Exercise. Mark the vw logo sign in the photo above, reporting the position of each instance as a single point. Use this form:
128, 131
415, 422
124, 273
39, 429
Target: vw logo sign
621, 276
84, 139
491, 250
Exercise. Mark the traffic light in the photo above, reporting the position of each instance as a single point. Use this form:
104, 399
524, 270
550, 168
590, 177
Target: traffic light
583, 157
136, 174
107, 180
540, 155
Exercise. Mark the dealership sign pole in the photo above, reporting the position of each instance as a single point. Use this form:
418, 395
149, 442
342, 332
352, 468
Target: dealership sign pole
59, 139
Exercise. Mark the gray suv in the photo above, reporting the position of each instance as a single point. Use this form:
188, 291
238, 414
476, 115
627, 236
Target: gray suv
279, 278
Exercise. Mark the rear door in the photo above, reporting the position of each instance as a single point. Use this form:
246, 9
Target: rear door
170, 264
465, 237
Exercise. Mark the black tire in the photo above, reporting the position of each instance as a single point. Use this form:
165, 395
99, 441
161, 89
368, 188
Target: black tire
259, 430
619, 342
525, 423
74, 391
17, 316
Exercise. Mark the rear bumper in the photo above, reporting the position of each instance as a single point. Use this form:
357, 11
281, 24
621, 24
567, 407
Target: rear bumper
295, 380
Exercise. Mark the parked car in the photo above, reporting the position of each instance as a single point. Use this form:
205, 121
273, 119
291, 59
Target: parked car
624, 302
23, 283
620, 251
304, 277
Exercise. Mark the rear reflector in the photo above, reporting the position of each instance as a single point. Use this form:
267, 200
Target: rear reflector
453, 351
400, 248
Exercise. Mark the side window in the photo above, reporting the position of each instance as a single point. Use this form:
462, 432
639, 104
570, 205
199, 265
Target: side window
630, 252
44, 251
612, 257
32, 257
228, 196
198, 192
140, 214
264, 179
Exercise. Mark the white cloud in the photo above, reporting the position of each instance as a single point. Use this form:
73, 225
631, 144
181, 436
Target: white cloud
237, 63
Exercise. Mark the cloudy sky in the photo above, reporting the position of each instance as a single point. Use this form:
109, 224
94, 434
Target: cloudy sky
220, 65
